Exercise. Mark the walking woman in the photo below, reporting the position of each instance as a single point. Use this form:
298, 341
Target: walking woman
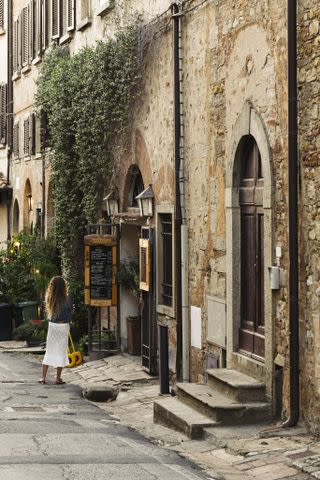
59, 310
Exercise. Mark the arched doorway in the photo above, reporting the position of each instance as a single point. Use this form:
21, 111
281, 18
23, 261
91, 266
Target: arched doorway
27, 208
251, 331
16, 217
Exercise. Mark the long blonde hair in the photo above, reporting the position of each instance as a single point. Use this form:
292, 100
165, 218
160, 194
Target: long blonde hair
56, 296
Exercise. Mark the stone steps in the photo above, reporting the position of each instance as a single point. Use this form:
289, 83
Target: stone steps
220, 407
173, 413
236, 385
229, 399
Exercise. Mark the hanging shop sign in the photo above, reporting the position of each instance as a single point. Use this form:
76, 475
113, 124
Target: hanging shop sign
100, 270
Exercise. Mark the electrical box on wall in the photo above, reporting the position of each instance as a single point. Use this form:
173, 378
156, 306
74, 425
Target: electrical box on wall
274, 274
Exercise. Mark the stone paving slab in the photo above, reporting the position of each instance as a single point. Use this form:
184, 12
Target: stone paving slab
278, 454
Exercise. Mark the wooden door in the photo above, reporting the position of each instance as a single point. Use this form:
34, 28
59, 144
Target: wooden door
251, 338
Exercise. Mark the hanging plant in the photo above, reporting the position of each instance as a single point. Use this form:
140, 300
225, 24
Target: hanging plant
88, 98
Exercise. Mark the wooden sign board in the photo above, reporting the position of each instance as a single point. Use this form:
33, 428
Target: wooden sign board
100, 270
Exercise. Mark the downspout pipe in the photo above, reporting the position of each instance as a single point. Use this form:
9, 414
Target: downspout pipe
9, 106
293, 215
181, 253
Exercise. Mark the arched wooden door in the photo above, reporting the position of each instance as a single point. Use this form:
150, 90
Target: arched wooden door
251, 335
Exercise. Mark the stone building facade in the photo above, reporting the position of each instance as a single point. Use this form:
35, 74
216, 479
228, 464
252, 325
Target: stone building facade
234, 142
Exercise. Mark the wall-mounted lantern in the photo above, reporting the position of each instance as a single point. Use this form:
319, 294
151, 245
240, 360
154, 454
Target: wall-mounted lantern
145, 202
111, 203
29, 200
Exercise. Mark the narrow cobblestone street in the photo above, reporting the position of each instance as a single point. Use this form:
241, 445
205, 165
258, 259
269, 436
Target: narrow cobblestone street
56, 428
49, 431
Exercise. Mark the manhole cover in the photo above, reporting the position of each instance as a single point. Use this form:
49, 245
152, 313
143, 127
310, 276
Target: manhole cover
28, 409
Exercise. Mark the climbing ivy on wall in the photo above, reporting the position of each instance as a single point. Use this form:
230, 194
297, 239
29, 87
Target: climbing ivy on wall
88, 98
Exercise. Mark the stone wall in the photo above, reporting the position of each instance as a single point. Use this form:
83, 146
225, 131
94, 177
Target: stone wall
309, 157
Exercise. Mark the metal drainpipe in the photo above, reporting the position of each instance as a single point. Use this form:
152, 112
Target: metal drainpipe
183, 327
9, 105
293, 215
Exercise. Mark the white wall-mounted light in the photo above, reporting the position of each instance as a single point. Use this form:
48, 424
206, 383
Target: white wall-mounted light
145, 202
111, 203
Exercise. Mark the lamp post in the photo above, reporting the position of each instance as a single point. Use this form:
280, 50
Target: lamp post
145, 202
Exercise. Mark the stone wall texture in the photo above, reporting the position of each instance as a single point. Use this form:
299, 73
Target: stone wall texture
309, 157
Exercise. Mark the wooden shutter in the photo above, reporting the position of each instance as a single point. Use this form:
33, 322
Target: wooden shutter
1, 13
31, 30
71, 15
3, 113
55, 11
38, 27
15, 46
33, 134
144, 264
25, 36
26, 137
16, 140
44, 24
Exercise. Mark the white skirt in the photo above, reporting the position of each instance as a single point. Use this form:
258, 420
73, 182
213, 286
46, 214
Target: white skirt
57, 345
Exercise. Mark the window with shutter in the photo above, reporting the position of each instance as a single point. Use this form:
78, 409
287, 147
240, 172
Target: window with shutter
55, 11
37, 29
144, 264
26, 137
25, 36
2, 14
44, 24
16, 140
44, 130
33, 134
3, 113
70, 14
31, 30
15, 46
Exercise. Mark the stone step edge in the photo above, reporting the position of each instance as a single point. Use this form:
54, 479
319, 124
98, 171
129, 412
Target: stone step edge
172, 412
249, 386
223, 406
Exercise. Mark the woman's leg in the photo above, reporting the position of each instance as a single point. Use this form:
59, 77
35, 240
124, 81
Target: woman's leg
58, 377
44, 373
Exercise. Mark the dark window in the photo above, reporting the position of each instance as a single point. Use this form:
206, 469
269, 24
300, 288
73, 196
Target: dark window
137, 188
166, 280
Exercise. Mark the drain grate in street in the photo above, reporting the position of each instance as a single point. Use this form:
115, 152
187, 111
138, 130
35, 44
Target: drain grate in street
28, 409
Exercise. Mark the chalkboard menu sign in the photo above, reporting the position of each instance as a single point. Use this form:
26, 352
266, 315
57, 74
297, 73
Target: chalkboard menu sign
100, 270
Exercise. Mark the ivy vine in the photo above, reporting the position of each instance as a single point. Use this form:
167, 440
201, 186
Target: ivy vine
88, 98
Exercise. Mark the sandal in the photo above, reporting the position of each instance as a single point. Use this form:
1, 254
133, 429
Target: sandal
42, 381
59, 381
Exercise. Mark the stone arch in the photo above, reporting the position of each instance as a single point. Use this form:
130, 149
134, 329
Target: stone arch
27, 208
132, 187
249, 123
16, 218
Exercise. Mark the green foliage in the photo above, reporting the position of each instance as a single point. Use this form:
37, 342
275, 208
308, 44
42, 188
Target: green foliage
128, 276
88, 98
26, 267
31, 333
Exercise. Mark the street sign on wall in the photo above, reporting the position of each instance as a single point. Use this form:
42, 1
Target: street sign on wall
100, 270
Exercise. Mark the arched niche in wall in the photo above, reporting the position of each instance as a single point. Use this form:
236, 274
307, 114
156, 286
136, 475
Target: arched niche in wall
27, 208
16, 218
133, 186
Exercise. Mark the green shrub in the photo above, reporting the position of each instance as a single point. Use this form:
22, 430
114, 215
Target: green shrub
31, 332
